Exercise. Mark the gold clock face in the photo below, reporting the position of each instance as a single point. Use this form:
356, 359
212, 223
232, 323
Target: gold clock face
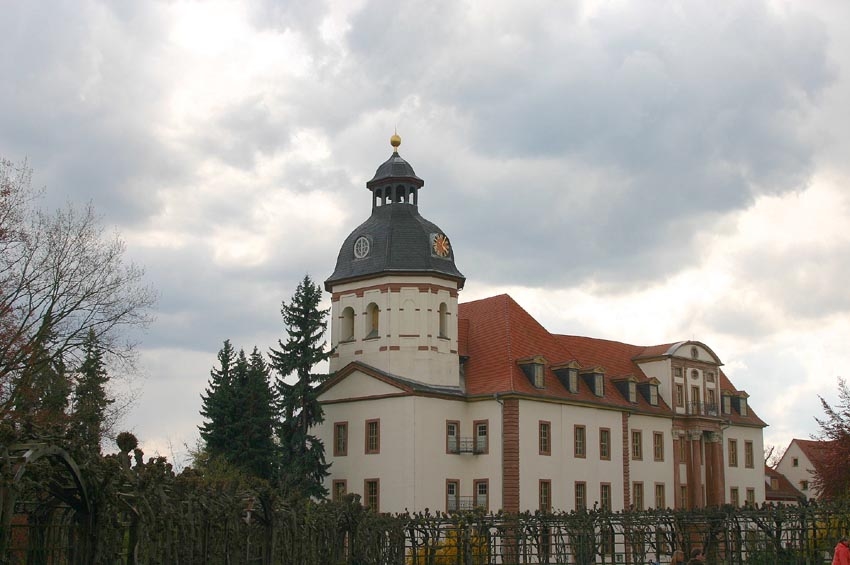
441, 245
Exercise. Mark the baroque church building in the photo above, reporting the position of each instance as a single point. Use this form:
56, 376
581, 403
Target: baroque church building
447, 406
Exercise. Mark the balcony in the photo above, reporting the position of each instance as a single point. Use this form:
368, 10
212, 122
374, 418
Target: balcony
461, 503
466, 445
702, 409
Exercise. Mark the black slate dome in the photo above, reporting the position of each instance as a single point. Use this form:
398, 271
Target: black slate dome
395, 239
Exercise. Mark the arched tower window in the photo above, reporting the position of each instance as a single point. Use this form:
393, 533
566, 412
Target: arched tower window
444, 322
347, 329
372, 314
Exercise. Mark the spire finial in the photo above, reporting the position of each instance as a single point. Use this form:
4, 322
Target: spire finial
395, 140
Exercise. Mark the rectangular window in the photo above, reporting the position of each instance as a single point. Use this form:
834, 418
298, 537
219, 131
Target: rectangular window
452, 495
733, 452
748, 454
683, 495
452, 436
658, 446
677, 372
695, 407
683, 449
653, 395
637, 495
605, 496
733, 496
339, 490
711, 400
751, 497
544, 438
545, 495
709, 377
373, 436
727, 404
580, 441
604, 443
795, 462
581, 495
804, 485
340, 439
482, 442
598, 385
372, 494
637, 444
481, 488
680, 395
660, 496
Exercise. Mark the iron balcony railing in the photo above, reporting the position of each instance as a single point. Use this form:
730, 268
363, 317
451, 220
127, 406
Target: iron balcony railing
703, 409
456, 503
466, 445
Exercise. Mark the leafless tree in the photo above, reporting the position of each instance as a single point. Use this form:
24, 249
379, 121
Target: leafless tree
61, 275
772, 455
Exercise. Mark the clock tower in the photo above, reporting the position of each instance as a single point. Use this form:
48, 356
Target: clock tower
394, 289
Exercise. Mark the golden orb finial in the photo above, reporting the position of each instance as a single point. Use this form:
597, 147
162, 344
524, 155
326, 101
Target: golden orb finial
395, 141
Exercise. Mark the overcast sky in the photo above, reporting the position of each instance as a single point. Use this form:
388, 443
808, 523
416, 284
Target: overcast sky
646, 172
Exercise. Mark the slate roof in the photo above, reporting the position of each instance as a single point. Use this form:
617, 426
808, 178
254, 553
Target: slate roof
400, 242
395, 168
495, 332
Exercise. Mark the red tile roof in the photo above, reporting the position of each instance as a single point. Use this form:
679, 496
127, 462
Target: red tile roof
496, 332
815, 450
784, 489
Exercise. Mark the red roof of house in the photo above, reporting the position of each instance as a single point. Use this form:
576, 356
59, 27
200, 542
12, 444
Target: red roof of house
815, 450
495, 332
784, 489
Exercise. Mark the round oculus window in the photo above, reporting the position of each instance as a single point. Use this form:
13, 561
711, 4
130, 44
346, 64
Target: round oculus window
361, 247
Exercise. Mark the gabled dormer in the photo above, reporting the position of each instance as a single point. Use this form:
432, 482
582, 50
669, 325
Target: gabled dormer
628, 387
567, 373
726, 397
739, 402
649, 390
594, 377
534, 368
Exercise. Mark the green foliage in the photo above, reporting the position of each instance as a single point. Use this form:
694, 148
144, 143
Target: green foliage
302, 459
90, 398
238, 408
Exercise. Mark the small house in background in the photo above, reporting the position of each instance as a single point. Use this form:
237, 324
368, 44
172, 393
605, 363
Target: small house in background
778, 489
799, 461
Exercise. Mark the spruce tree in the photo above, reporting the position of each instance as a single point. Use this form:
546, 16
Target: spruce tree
90, 397
302, 455
218, 404
254, 442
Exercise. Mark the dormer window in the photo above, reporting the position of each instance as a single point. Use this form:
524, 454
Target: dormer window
742, 405
595, 379
727, 403
534, 368
628, 388
649, 390
567, 373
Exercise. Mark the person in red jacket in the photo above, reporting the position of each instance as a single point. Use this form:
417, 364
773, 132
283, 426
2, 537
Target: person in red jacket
842, 552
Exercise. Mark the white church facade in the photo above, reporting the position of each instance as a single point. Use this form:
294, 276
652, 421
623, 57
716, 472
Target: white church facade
445, 405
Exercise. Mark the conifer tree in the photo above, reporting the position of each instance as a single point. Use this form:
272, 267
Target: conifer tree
302, 463
218, 404
254, 445
91, 399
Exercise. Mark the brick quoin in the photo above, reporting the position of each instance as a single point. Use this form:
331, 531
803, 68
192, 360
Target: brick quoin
510, 455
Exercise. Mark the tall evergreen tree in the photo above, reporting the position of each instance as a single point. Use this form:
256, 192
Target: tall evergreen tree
254, 438
90, 397
302, 464
218, 404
